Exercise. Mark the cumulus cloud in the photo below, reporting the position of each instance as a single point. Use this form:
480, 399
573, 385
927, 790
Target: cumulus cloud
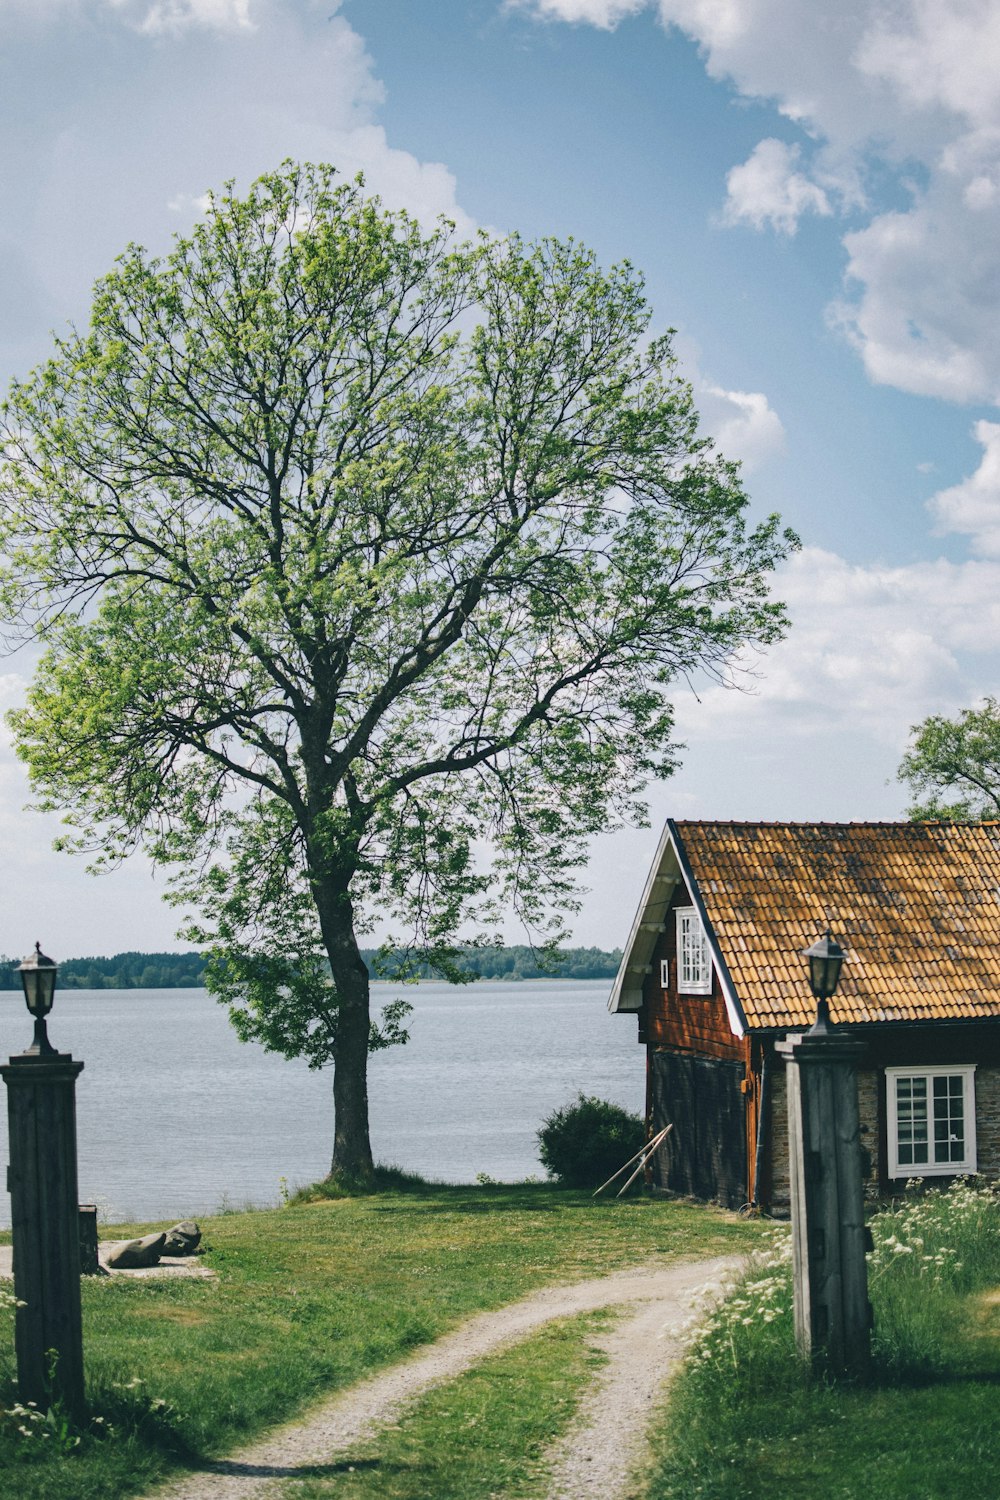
973, 506
769, 189
603, 13
177, 115
914, 87
151, 17
163, 17
875, 647
743, 423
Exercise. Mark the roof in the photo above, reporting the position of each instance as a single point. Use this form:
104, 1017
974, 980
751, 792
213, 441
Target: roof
916, 904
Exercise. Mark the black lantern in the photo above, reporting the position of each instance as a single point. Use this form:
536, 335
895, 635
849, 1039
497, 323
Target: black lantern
825, 958
38, 977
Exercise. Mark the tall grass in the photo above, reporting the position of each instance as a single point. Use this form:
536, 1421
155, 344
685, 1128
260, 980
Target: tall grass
745, 1404
930, 1251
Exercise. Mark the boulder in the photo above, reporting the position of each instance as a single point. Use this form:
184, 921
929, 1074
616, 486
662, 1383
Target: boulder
183, 1239
134, 1254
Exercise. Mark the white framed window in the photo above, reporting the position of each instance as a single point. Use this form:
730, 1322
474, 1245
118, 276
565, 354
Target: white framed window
664, 973
694, 967
931, 1115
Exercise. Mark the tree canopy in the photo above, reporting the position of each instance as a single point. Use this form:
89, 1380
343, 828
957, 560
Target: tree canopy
953, 765
365, 562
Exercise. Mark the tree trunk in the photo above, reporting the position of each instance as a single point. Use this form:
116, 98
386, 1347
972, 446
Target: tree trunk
352, 1151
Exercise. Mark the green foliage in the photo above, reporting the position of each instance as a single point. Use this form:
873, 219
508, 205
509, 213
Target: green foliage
930, 1250
953, 766
365, 563
165, 971
583, 1143
494, 961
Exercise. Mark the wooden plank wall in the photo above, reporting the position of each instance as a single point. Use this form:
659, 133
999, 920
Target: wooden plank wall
687, 1023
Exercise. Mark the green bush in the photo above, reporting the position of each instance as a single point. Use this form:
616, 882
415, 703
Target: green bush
583, 1143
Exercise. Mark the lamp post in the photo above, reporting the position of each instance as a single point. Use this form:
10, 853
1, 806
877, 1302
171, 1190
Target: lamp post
832, 1312
41, 1179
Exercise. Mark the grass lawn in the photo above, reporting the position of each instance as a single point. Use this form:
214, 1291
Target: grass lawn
309, 1299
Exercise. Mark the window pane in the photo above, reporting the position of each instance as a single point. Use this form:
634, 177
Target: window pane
949, 1117
692, 952
911, 1122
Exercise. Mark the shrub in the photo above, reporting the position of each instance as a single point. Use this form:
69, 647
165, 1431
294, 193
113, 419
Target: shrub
583, 1143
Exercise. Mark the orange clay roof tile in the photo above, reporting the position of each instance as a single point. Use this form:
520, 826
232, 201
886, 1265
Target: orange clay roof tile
916, 904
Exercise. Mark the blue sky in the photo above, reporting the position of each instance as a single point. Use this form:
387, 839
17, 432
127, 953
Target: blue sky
813, 194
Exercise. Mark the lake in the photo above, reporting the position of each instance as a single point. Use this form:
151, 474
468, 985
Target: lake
176, 1117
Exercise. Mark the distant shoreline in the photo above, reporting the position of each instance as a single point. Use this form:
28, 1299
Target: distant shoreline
186, 971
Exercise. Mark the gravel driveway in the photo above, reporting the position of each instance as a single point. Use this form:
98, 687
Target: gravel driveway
593, 1460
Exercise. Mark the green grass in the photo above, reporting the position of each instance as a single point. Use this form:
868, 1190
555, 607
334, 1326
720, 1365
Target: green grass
745, 1420
481, 1435
309, 1299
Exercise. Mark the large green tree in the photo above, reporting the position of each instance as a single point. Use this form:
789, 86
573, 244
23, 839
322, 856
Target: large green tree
364, 563
953, 765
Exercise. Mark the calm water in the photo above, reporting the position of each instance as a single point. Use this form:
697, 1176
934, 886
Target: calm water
176, 1117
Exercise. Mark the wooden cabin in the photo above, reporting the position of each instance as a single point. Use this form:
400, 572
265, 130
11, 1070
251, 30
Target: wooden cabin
713, 971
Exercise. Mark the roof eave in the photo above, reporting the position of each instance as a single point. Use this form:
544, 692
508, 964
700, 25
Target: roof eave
734, 1010
626, 992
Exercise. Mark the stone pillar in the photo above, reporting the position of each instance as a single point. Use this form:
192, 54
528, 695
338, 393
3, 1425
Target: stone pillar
832, 1312
41, 1108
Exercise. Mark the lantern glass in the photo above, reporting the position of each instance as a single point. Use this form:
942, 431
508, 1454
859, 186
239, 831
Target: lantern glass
825, 959
38, 979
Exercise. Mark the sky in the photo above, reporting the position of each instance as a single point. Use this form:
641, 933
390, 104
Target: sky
813, 195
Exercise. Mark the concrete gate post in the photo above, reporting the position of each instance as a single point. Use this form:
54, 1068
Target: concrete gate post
41, 1108
832, 1311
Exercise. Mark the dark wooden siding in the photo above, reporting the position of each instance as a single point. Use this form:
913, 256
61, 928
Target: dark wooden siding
705, 1154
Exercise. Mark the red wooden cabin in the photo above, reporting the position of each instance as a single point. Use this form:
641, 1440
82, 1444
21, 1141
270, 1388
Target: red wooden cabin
714, 973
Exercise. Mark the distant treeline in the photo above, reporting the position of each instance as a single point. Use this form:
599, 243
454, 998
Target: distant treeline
125, 971
173, 971
522, 963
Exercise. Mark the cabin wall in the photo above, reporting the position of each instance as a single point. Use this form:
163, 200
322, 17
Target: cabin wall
698, 1079
930, 1046
704, 1156
775, 1190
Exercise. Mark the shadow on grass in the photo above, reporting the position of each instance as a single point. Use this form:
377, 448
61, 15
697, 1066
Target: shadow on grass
473, 1206
232, 1469
389, 1185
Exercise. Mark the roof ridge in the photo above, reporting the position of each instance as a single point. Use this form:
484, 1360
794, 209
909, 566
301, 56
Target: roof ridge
898, 823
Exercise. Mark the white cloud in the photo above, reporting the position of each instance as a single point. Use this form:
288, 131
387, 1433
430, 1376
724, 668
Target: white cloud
912, 86
937, 52
151, 17
743, 423
768, 189
875, 648
603, 13
170, 17
973, 507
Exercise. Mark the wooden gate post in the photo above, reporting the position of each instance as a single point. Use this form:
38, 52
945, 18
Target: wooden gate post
41, 1108
832, 1312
